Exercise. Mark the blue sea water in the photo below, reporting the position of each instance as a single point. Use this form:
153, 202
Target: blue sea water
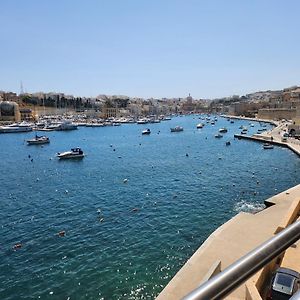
124, 240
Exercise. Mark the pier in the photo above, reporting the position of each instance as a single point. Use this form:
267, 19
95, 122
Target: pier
294, 146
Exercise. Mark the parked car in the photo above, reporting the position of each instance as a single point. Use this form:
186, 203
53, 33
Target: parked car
285, 283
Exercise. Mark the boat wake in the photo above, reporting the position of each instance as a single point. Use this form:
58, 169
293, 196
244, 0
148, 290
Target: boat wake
250, 207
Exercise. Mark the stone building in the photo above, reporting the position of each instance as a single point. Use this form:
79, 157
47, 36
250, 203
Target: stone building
9, 111
26, 114
110, 112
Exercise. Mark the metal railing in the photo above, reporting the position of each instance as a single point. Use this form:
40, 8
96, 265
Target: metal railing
296, 296
234, 275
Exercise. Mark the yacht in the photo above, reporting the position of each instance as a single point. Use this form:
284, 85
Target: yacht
74, 153
38, 140
67, 125
218, 136
94, 125
146, 131
142, 121
51, 126
176, 129
13, 128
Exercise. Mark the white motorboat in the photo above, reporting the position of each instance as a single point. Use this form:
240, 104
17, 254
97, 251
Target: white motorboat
38, 140
200, 125
268, 146
218, 136
142, 121
146, 131
73, 154
14, 128
95, 125
67, 125
176, 129
223, 130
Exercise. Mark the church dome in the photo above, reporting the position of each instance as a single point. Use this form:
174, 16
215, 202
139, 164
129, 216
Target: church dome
8, 108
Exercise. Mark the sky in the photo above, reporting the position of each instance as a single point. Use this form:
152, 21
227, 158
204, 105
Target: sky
149, 48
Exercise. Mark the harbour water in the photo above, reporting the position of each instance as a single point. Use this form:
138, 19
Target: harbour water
124, 239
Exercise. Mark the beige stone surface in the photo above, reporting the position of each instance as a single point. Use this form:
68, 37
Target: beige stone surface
230, 242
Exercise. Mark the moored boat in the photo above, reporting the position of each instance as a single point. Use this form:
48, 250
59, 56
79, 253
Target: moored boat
142, 121
67, 125
268, 146
176, 129
14, 128
38, 140
200, 125
218, 136
75, 153
223, 130
146, 131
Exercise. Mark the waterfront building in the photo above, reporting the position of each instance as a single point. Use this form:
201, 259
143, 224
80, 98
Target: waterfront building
27, 114
109, 112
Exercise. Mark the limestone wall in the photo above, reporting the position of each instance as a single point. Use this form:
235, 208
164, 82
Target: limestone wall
276, 113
